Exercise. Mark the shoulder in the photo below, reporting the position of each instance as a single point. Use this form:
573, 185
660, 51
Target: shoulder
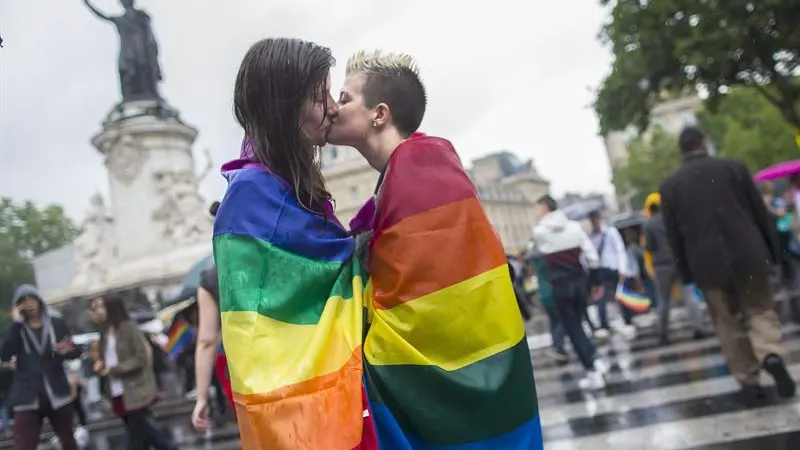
129, 327
14, 330
426, 152
254, 197
60, 325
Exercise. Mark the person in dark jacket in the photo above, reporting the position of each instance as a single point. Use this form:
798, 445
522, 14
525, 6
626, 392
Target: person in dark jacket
41, 344
666, 275
724, 240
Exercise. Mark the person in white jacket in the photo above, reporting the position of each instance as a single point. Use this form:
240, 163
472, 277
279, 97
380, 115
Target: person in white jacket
564, 245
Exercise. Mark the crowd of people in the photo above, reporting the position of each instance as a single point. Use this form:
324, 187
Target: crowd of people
711, 239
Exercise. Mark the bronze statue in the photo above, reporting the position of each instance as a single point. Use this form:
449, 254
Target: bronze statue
139, 72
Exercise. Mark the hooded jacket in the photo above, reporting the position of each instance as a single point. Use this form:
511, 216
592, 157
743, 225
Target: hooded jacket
564, 245
39, 369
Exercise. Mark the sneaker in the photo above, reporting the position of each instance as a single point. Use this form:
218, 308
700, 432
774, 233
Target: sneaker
602, 333
601, 366
628, 332
559, 356
783, 381
81, 436
593, 381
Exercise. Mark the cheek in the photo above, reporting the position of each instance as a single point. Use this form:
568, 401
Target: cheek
314, 118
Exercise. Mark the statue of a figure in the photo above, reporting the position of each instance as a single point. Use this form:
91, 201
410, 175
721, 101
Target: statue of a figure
94, 247
139, 72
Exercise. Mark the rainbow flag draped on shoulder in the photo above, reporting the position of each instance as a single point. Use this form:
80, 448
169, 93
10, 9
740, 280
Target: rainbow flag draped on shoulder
291, 306
447, 360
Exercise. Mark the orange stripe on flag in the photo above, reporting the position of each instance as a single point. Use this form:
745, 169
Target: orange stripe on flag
321, 413
433, 250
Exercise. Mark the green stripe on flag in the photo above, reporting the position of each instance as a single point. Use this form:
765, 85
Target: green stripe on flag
475, 403
258, 276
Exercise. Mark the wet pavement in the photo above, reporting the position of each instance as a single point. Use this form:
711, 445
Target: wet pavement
672, 397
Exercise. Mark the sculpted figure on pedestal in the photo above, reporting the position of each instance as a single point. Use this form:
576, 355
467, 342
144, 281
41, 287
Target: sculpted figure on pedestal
181, 210
125, 158
94, 247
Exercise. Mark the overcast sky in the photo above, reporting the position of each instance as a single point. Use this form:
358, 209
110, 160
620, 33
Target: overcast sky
501, 74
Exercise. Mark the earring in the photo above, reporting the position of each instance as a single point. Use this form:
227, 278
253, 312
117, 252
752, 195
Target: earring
374, 124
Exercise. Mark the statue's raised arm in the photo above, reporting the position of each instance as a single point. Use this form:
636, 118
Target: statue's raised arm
96, 11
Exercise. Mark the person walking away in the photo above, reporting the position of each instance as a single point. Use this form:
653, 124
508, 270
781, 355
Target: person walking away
556, 352
613, 258
724, 240
41, 344
563, 243
666, 275
127, 369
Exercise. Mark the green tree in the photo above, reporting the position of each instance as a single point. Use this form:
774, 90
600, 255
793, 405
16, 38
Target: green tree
27, 231
651, 158
745, 126
674, 46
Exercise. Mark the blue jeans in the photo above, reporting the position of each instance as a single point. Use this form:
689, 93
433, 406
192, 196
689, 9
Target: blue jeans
571, 313
609, 284
557, 332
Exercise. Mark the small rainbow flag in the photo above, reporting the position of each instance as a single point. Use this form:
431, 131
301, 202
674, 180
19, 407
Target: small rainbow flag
180, 335
633, 300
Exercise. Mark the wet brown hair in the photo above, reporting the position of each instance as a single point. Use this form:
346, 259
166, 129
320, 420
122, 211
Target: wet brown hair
276, 78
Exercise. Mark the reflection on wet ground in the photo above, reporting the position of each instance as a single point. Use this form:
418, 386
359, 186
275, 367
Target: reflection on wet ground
226, 437
662, 398
672, 397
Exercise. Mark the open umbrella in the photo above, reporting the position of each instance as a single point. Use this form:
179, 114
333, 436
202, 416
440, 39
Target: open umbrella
582, 210
191, 281
776, 171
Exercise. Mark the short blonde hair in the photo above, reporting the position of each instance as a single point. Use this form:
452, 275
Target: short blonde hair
380, 61
393, 79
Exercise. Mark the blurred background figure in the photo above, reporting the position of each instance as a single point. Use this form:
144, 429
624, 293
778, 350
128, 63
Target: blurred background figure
126, 367
725, 241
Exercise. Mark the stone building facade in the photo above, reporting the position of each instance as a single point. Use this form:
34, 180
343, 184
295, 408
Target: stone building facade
507, 186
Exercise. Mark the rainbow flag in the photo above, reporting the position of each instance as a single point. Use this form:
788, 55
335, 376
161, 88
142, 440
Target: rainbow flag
180, 335
292, 312
633, 300
447, 360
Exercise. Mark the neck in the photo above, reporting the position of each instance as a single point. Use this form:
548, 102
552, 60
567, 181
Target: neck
35, 321
379, 148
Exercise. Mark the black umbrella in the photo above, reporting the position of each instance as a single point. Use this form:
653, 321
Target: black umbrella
191, 281
628, 220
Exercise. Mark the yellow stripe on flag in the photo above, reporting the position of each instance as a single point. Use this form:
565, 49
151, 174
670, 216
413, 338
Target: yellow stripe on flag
266, 354
477, 318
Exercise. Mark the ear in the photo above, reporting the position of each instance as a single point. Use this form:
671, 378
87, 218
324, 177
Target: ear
382, 115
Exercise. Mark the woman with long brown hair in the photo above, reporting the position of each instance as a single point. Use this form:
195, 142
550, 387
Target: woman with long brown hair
290, 292
126, 365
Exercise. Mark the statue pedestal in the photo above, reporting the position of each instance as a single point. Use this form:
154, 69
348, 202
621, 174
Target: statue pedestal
154, 194
157, 225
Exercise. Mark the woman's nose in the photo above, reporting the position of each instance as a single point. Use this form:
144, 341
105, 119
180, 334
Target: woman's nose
333, 108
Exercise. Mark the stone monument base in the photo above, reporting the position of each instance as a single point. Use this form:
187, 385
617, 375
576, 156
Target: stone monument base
157, 226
